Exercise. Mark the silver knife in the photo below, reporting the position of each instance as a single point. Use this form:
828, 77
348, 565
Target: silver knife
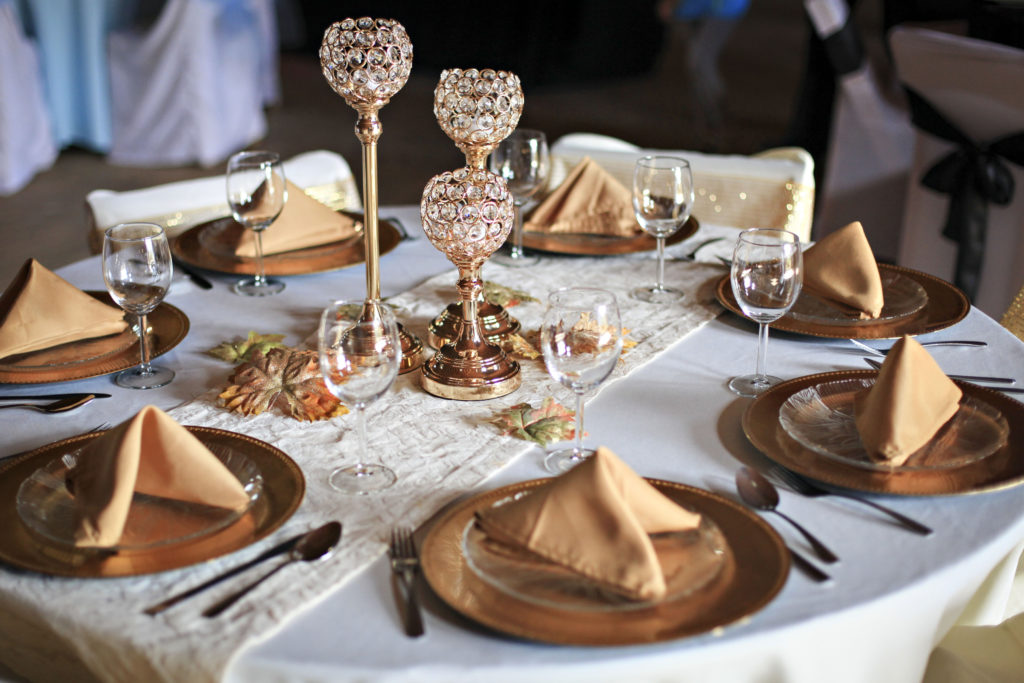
53, 397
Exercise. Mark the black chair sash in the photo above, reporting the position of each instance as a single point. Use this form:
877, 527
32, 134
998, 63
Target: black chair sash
973, 175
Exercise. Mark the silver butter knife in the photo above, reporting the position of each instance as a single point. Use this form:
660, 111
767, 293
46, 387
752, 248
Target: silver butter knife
53, 397
966, 378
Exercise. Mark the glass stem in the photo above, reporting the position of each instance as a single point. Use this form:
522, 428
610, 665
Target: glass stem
364, 447
661, 264
517, 231
762, 350
577, 450
144, 368
260, 278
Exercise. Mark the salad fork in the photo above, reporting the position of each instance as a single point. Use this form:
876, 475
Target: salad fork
404, 564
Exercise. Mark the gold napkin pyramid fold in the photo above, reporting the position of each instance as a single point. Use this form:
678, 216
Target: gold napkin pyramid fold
304, 222
595, 520
909, 402
841, 268
39, 309
152, 454
589, 201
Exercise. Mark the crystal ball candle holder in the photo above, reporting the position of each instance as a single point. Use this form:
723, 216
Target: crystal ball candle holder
477, 109
467, 214
367, 61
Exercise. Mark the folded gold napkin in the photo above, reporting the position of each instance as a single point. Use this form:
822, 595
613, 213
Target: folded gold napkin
594, 520
911, 399
40, 309
152, 454
841, 268
591, 201
304, 222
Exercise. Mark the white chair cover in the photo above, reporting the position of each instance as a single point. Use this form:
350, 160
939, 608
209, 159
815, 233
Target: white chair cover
772, 189
979, 87
324, 175
26, 139
870, 143
191, 88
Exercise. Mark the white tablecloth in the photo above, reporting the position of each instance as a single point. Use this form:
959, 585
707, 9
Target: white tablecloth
894, 595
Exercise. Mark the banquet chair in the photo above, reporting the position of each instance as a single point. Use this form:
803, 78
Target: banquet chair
967, 101
26, 139
178, 206
190, 88
870, 142
771, 189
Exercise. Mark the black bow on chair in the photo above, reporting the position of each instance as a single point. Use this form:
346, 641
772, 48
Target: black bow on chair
973, 175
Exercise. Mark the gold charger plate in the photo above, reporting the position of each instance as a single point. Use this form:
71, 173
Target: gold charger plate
946, 306
189, 247
756, 572
283, 489
95, 357
1003, 469
598, 245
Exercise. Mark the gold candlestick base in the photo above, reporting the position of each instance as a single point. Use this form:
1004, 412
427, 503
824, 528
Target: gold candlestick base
497, 325
412, 351
469, 372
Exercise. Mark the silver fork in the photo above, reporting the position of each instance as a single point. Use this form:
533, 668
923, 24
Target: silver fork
805, 487
404, 565
948, 342
692, 254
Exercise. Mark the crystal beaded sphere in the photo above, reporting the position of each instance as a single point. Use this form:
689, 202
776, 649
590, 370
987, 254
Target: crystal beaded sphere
366, 60
466, 213
478, 107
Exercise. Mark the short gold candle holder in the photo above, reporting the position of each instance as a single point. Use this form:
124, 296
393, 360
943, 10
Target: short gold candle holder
467, 214
477, 109
367, 61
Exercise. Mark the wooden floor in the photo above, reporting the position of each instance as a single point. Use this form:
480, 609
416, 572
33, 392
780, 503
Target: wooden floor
761, 67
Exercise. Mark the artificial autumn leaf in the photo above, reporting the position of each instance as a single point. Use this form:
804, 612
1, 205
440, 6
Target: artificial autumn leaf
241, 351
517, 346
506, 297
283, 378
551, 422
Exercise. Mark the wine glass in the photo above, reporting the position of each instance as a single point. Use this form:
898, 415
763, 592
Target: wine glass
662, 201
256, 195
137, 271
766, 275
581, 338
522, 160
360, 352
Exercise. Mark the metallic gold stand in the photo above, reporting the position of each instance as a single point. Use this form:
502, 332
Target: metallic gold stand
367, 61
497, 325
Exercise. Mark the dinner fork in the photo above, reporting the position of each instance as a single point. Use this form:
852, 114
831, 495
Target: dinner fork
949, 342
965, 378
805, 487
404, 564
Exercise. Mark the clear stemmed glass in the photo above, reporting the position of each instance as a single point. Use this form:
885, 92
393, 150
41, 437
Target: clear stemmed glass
359, 357
581, 338
662, 201
766, 275
522, 160
256, 195
137, 271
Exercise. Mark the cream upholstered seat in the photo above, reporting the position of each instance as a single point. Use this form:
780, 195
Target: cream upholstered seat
26, 139
191, 88
323, 175
978, 87
772, 189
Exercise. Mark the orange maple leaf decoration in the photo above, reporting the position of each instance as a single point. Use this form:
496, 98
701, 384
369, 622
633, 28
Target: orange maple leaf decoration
284, 378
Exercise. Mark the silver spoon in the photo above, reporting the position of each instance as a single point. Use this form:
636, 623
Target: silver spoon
313, 546
59, 406
758, 492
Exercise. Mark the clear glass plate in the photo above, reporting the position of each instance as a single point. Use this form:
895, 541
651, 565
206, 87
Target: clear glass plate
820, 418
48, 509
903, 298
690, 560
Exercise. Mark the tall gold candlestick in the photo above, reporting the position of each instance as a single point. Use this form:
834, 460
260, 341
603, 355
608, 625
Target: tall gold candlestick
367, 61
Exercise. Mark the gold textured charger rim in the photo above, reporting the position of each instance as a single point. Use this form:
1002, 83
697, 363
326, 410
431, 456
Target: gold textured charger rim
1001, 470
187, 248
169, 326
946, 306
598, 245
758, 573
283, 489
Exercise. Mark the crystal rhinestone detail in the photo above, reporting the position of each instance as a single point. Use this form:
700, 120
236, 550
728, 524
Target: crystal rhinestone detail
478, 107
366, 60
467, 213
